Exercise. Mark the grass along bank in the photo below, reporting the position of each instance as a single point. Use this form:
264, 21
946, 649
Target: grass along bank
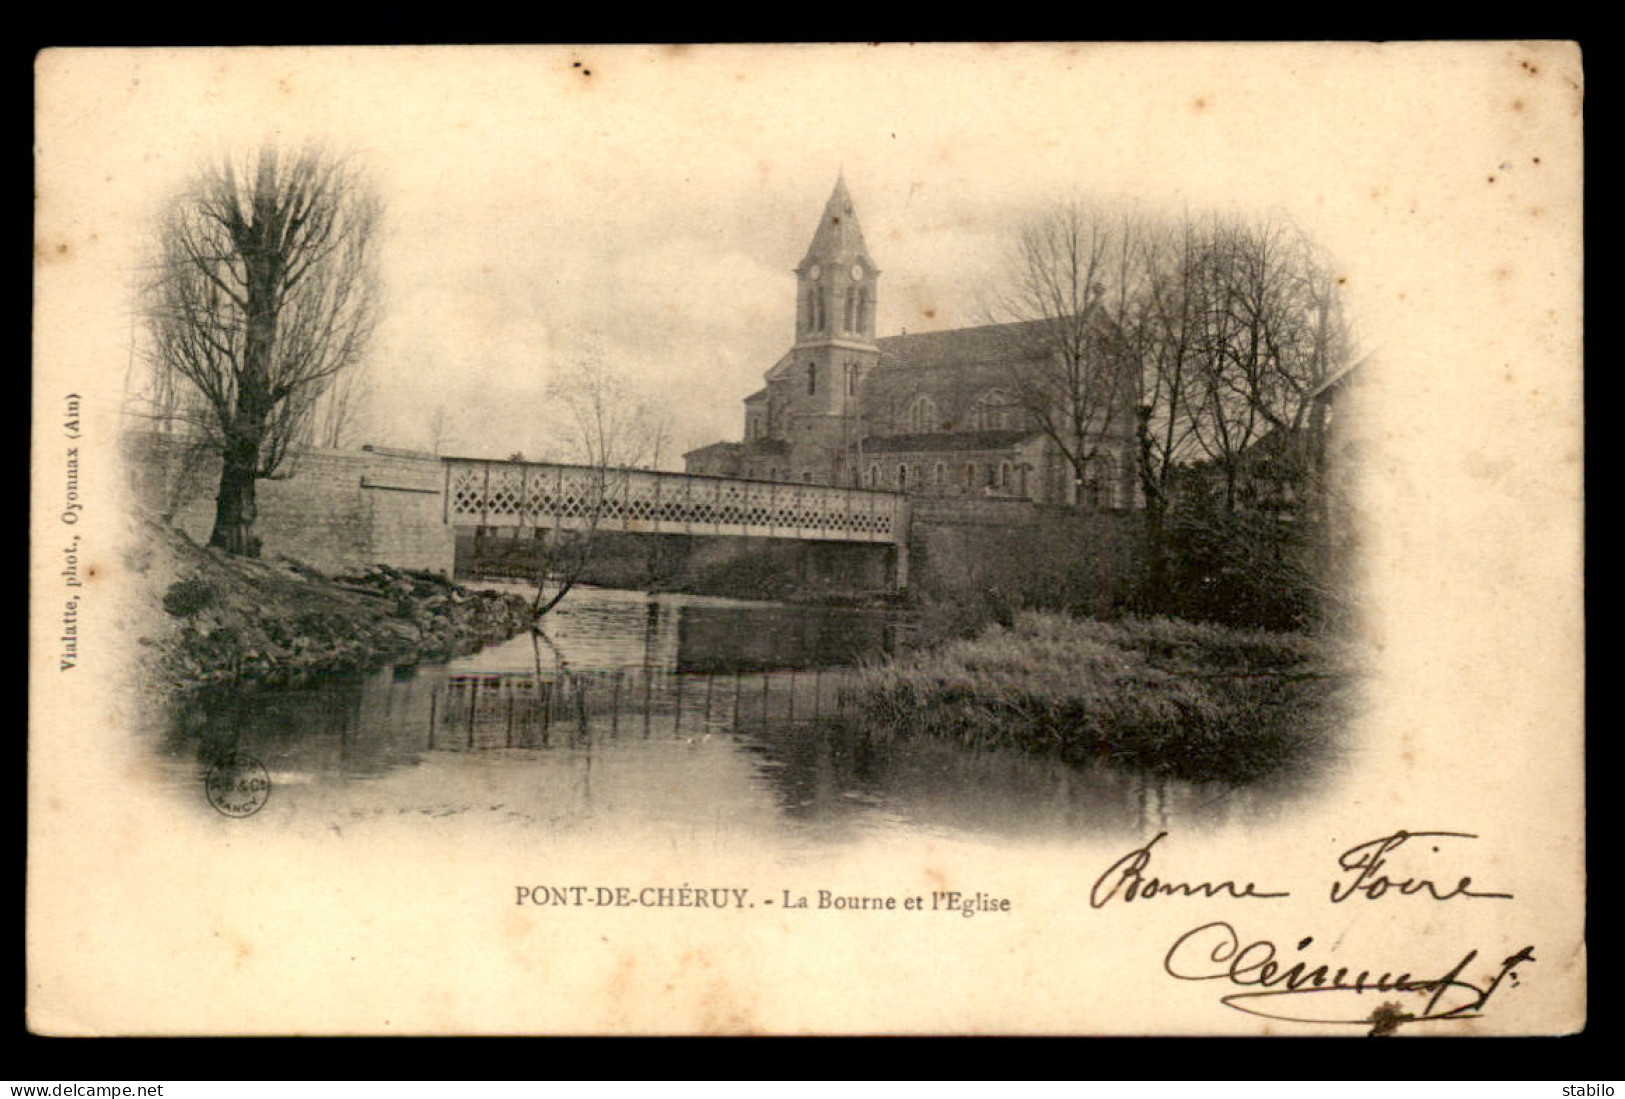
1184, 699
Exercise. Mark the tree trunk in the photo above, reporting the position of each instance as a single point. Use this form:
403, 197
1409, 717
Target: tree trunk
1156, 578
234, 512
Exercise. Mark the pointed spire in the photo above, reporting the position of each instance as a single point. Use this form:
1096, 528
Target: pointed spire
838, 239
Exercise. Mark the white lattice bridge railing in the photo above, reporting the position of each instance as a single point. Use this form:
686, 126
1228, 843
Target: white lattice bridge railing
486, 493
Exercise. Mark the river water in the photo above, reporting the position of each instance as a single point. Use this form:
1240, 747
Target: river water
704, 719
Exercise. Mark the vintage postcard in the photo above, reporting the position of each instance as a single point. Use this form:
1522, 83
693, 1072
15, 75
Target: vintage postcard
854, 539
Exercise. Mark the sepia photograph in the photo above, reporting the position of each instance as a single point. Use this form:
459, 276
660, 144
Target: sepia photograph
850, 539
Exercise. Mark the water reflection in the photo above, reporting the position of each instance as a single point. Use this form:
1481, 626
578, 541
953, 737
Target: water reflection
662, 711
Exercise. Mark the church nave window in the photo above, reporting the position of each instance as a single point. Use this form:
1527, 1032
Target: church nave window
993, 411
923, 416
812, 378
851, 317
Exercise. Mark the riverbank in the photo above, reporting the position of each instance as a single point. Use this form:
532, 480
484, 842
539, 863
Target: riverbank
205, 617
1184, 699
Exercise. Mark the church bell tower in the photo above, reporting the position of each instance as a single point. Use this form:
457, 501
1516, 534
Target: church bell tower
836, 298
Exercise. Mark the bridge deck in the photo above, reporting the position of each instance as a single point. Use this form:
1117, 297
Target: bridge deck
534, 494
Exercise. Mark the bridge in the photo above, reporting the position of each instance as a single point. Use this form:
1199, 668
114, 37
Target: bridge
490, 494
337, 509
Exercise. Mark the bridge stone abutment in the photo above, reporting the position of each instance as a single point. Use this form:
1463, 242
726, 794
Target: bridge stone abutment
331, 509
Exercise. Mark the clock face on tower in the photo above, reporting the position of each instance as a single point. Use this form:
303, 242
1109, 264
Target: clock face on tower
815, 272
857, 272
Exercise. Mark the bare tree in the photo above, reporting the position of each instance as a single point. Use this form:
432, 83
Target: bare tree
265, 293
1270, 331
341, 415
1171, 320
1070, 299
441, 433
612, 430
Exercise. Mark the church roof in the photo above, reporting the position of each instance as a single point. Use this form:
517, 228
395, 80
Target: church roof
988, 343
754, 448
838, 237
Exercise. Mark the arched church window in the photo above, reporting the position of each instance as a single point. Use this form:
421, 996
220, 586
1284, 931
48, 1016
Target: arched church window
1004, 476
993, 411
812, 378
902, 478
818, 311
851, 316
970, 477
866, 311
851, 379
939, 476
923, 416
874, 475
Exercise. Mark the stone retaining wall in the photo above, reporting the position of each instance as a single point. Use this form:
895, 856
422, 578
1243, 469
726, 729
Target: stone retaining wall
332, 509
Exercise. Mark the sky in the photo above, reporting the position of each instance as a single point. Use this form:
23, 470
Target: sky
647, 205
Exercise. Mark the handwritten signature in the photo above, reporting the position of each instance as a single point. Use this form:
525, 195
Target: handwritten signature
1305, 993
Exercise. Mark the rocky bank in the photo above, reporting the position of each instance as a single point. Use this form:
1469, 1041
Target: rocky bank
207, 617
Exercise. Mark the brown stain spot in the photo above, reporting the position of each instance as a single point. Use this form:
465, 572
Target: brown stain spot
1385, 1020
91, 572
1517, 104
516, 927
1534, 160
283, 86
928, 314
1535, 211
241, 954
1491, 179
1531, 69
1503, 273
1342, 280
1199, 104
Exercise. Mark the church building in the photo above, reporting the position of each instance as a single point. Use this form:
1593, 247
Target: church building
933, 413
